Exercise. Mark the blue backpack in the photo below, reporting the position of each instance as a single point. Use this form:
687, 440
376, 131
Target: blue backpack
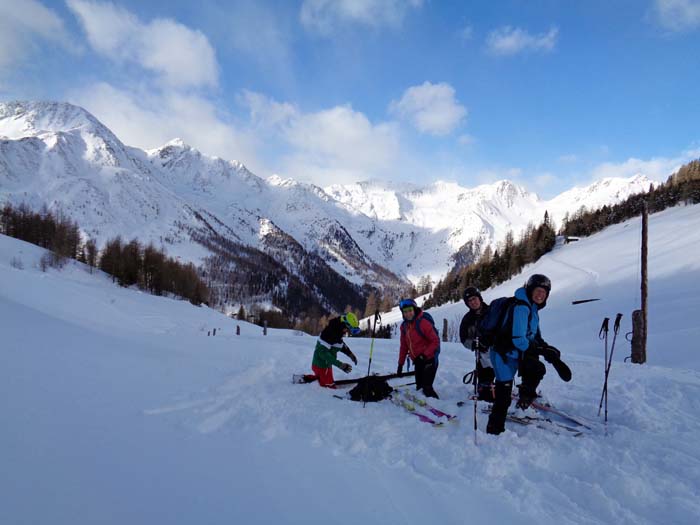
430, 319
496, 327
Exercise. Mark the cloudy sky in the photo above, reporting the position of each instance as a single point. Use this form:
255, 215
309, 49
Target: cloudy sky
548, 93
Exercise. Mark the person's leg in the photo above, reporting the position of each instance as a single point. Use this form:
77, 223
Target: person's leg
485, 386
429, 371
504, 369
325, 376
419, 366
499, 410
532, 371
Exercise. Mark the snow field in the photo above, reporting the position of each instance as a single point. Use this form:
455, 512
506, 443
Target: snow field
117, 408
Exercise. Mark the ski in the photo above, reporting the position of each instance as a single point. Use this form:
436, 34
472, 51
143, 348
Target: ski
543, 406
411, 409
541, 422
310, 378
423, 403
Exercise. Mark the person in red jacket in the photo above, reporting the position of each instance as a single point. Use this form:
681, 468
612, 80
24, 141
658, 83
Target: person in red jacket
421, 343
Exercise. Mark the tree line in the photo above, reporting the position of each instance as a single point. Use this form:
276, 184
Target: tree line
495, 267
681, 187
129, 264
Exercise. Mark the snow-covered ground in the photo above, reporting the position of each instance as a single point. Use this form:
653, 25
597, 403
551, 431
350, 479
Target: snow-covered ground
118, 408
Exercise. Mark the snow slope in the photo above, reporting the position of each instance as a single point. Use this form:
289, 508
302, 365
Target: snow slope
117, 408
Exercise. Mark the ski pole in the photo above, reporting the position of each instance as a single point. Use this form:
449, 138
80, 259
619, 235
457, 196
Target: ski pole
603, 334
616, 329
476, 380
371, 345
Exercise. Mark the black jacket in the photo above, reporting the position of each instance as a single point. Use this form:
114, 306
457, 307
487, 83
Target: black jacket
333, 332
468, 329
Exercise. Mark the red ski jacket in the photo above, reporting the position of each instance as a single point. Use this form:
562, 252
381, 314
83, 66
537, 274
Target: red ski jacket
415, 344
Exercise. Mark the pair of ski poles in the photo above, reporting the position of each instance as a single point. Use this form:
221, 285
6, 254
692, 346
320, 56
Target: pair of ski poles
603, 334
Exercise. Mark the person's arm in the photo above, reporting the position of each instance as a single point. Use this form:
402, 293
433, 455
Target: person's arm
521, 318
403, 350
348, 353
464, 333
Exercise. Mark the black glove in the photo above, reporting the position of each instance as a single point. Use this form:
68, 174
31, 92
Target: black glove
550, 353
348, 353
399, 369
345, 367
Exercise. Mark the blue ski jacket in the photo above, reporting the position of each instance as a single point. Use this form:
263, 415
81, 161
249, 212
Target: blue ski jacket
526, 329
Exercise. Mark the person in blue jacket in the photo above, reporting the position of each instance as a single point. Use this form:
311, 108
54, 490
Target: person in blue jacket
522, 353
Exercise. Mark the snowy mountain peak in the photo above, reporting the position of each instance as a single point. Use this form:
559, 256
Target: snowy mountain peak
25, 118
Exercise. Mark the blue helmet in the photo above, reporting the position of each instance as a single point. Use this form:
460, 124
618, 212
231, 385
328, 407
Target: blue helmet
407, 303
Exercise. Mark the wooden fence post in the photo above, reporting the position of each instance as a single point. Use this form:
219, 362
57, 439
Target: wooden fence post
444, 330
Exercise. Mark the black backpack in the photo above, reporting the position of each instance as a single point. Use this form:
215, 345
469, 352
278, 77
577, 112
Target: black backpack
371, 388
496, 327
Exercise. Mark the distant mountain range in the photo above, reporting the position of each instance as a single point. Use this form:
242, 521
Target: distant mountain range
363, 235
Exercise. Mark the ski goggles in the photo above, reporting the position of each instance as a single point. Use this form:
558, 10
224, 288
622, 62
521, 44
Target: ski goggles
353, 331
407, 309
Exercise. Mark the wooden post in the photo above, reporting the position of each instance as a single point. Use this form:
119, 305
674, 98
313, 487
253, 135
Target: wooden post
444, 330
369, 326
265, 327
238, 330
214, 332
639, 351
639, 354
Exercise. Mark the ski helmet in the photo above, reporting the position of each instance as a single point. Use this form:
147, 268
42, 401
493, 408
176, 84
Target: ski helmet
408, 303
538, 281
469, 292
350, 320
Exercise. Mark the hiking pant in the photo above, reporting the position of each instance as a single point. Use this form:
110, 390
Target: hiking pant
425, 375
325, 376
484, 379
499, 410
531, 371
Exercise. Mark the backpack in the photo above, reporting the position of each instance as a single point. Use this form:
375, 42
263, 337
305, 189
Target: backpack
371, 388
430, 319
496, 327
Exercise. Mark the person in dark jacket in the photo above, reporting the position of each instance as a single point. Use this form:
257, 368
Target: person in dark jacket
469, 336
329, 343
420, 342
522, 353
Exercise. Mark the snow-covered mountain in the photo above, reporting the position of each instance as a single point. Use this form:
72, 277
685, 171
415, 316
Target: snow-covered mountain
370, 233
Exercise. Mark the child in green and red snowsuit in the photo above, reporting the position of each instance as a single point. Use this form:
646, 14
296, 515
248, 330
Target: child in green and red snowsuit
329, 343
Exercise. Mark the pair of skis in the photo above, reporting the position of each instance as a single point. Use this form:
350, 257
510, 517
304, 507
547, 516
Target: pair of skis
410, 402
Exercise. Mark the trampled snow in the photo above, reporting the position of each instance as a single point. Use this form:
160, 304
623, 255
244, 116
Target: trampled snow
119, 408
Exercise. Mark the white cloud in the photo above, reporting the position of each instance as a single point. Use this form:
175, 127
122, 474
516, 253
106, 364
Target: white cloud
324, 16
180, 56
148, 118
333, 144
509, 40
678, 15
265, 112
657, 168
22, 22
341, 140
431, 108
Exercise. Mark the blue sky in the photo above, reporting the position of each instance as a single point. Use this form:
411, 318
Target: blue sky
547, 93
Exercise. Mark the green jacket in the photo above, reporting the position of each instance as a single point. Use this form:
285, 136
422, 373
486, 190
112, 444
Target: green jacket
326, 355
